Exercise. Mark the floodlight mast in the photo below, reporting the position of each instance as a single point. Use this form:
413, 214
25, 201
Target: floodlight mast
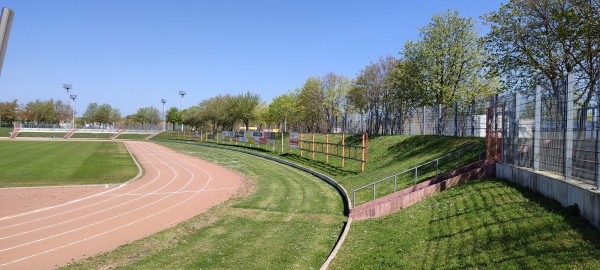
164, 115
182, 93
67, 86
73, 97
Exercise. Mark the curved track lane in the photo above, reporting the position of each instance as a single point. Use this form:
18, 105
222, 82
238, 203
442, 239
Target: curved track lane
174, 187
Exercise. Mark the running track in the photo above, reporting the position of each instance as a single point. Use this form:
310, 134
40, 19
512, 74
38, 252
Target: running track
174, 187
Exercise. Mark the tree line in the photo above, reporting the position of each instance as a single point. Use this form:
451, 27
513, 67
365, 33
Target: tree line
448, 67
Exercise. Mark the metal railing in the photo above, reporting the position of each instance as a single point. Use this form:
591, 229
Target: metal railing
415, 170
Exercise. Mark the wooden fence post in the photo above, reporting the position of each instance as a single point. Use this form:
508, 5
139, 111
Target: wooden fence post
343, 150
362, 160
301, 143
313, 146
327, 148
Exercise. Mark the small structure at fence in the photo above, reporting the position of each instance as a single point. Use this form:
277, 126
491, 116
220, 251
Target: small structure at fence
341, 150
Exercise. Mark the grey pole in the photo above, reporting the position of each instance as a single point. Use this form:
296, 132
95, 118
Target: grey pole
164, 115
73, 97
182, 93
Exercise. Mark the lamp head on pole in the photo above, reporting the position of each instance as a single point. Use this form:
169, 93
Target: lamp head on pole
73, 97
163, 101
67, 86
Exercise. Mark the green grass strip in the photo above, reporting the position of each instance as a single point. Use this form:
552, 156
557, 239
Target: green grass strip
58, 135
132, 136
56, 163
286, 220
486, 224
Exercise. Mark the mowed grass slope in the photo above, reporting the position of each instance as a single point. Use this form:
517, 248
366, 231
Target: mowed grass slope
485, 224
282, 219
55, 163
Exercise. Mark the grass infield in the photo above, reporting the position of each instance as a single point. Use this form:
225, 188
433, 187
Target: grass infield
57, 163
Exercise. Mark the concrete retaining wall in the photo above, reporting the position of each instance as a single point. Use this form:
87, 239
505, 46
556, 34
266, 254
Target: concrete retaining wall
567, 192
406, 197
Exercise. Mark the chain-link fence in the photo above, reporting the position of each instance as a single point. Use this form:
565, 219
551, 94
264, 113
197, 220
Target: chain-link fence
467, 120
554, 128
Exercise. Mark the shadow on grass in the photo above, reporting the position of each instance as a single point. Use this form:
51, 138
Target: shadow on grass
492, 228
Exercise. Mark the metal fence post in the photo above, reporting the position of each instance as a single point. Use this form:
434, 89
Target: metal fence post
353, 198
568, 143
537, 119
374, 192
394, 183
517, 115
416, 175
458, 160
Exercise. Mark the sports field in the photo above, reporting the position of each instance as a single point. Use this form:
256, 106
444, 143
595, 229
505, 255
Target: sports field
58, 163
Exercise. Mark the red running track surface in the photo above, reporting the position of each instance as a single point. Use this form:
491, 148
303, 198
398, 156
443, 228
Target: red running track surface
43, 228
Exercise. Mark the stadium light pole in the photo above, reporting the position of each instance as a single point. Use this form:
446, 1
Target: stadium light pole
182, 93
67, 86
73, 97
164, 115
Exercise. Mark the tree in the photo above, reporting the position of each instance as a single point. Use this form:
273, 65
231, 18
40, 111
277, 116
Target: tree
245, 104
101, 114
541, 41
284, 109
8, 111
149, 115
46, 111
450, 59
335, 89
372, 94
173, 116
193, 117
310, 105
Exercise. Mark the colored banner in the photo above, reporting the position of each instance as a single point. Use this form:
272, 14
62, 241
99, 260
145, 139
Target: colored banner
294, 140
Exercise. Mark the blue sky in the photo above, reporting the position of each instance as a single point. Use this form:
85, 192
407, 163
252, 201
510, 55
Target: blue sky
132, 53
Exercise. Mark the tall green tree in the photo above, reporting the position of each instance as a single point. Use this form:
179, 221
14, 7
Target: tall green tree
540, 41
9, 111
335, 88
245, 105
173, 116
147, 115
311, 106
451, 62
284, 110
101, 114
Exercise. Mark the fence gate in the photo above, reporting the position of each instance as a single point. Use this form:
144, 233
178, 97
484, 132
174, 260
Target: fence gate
493, 132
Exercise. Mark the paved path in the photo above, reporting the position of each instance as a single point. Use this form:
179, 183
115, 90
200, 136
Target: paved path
51, 233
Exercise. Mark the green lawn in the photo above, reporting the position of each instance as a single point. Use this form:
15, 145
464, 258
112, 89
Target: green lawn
58, 135
132, 136
83, 135
54, 163
485, 224
282, 219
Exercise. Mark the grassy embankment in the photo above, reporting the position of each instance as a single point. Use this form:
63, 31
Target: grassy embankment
387, 155
282, 219
55, 163
482, 224
485, 224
